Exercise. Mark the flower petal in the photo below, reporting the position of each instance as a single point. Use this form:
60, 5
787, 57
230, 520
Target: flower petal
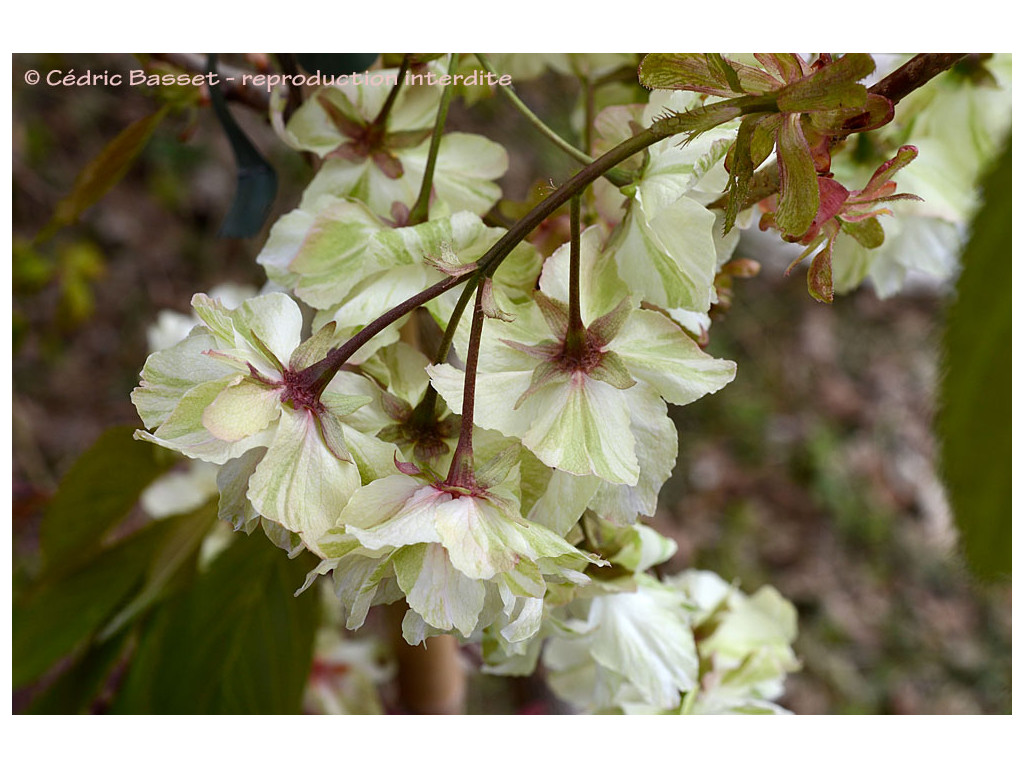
300, 483
437, 591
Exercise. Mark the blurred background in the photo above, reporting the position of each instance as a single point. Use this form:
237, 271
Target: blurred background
815, 471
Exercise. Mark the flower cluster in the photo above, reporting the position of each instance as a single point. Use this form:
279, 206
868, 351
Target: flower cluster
492, 480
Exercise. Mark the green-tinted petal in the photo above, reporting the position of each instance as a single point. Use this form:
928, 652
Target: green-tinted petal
643, 547
233, 482
656, 449
563, 501
395, 511
582, 427
242, 409
601, 289
300, 483
170, 373
657, 351
436, 590
668, 258
183, 430
467, 166
477, 537
335, 252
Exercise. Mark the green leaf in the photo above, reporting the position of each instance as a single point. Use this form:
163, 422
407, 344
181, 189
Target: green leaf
975, 418
75, 691
237, 642
868, 232
60, 613
104, 171
173, 562
98, 491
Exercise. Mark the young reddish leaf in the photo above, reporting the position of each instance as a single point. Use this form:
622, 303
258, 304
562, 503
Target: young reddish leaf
722, 68
831, 196
762, 143
798, 181
787, 67
903, 157
741, 169
819, 276
694, 72
877, 111
683, 71
831, 87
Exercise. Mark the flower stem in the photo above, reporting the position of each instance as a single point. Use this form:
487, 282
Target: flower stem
323, 371
381, 120
617, 177
575, 336
424, 413
460, 473
420, 208
588, 120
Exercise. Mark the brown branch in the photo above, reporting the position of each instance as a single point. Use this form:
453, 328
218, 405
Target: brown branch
915, 73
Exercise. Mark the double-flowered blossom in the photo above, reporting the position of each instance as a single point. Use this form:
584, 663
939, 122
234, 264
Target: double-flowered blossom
598, 410
383, 163
623, 648
668, 245
460, 553
342, 259
232, 391
744, 643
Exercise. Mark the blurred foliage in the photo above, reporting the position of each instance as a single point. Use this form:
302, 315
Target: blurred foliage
229, 637
975, 421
